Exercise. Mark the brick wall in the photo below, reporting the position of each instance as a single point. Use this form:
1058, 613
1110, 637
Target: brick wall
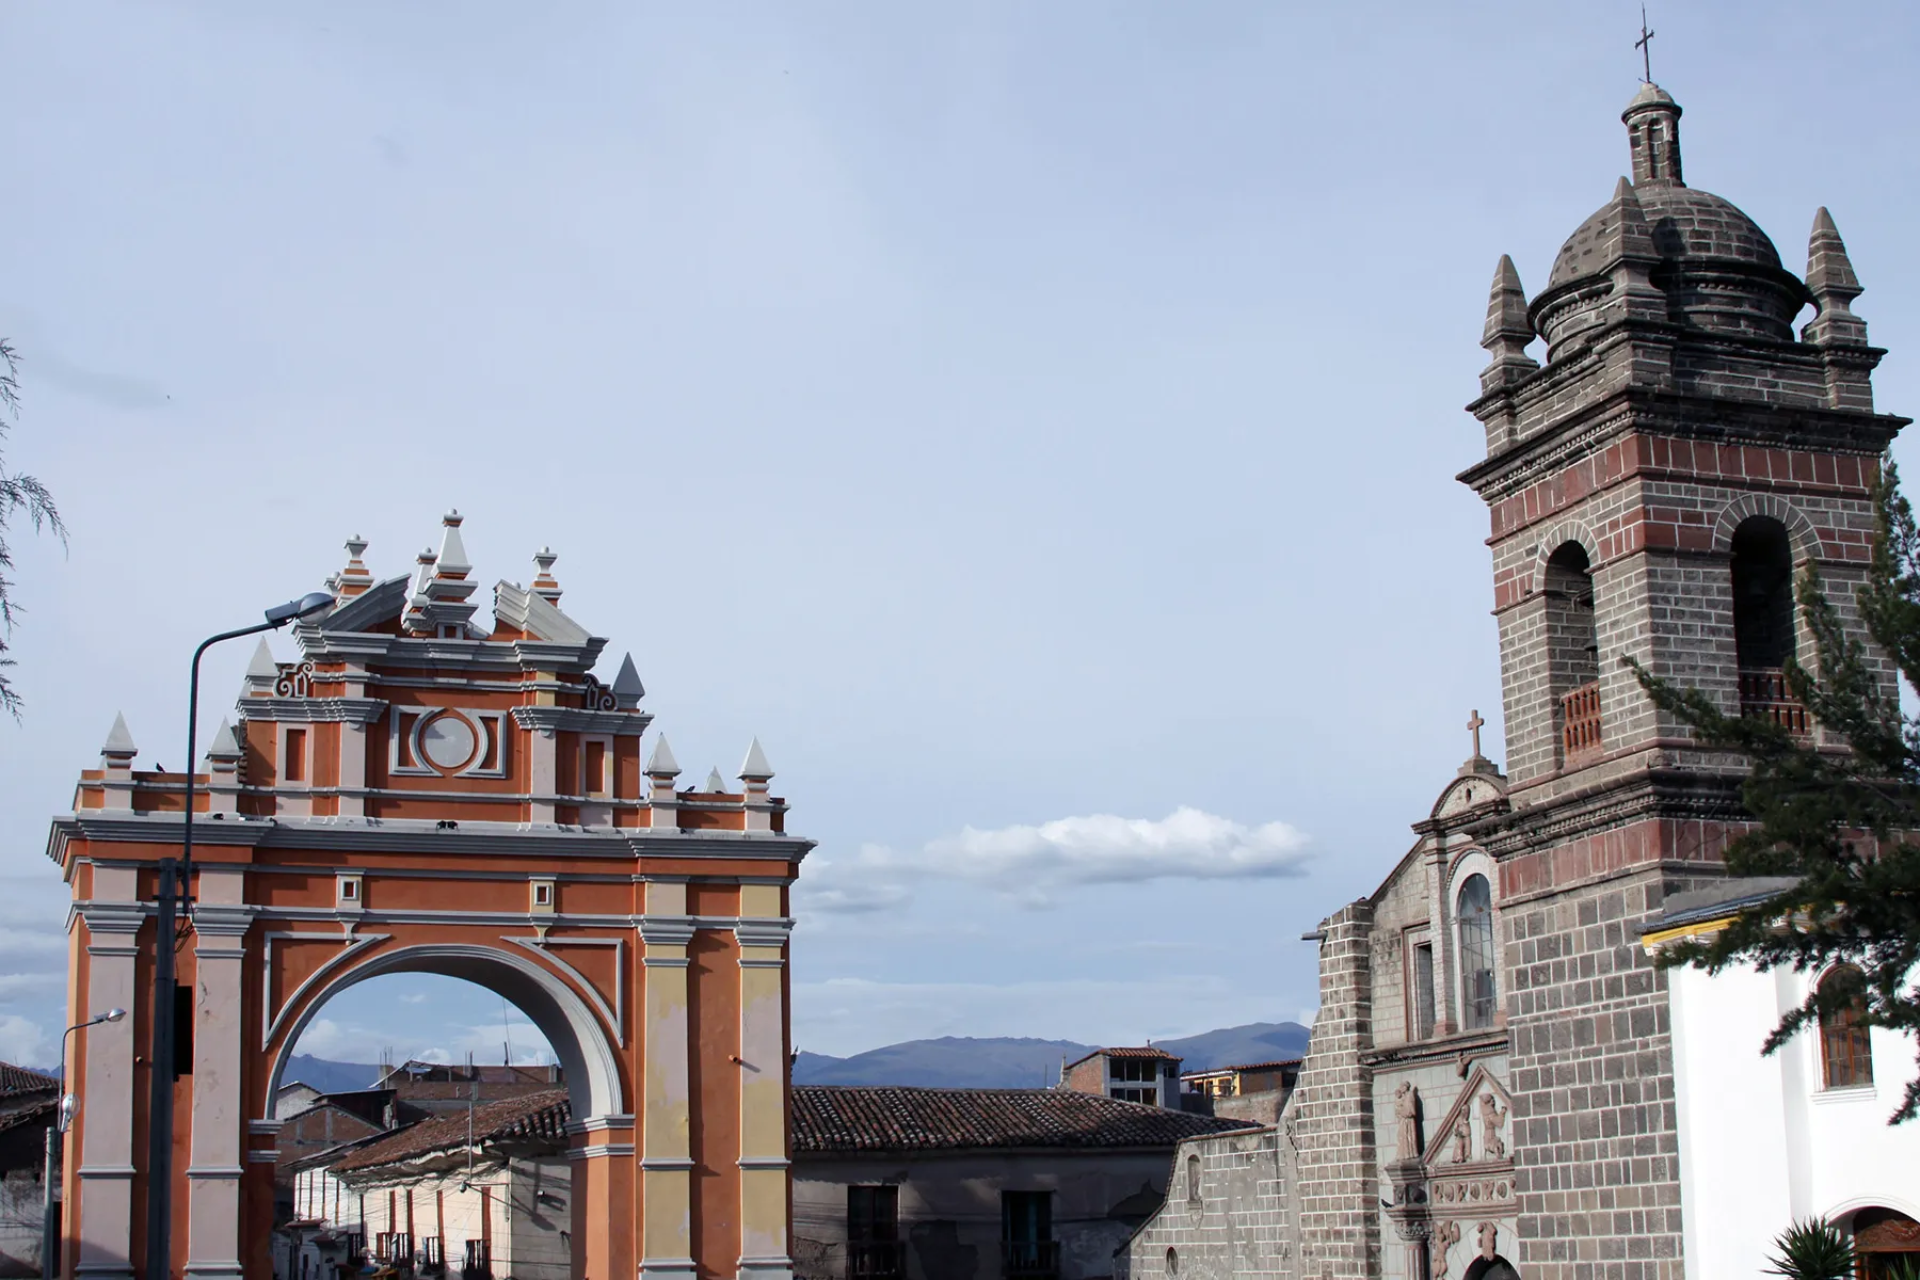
1238, 1225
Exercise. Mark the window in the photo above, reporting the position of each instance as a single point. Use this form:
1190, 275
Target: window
1173, 1263
1421, 987
1193, 1180
1573, 650
1845, 1050
1476, 952
1027, 1247
430, 1255
479, 1264
594, 783
873, 1233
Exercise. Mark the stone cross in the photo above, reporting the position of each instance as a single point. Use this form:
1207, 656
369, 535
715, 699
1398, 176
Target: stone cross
1473, 727
1645, 45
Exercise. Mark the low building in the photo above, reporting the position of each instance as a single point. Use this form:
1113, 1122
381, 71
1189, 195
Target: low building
29, 1106
1131, 1074
975, 1184
1254, 1091
447, 1086
1768, 1141
483, 1190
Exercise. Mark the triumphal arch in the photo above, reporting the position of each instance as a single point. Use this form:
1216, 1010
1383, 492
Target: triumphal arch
417, 793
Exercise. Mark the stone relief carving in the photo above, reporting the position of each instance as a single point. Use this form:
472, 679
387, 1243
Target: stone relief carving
1492, 1146
1489, 1240
1462, 1140
1445, 1236
1406, 1109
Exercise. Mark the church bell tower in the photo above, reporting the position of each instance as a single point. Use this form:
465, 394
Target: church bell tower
1654, 486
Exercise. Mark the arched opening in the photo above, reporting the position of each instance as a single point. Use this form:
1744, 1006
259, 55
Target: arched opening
1884, 1241
1764, 622
1494, 1268
1573, 651
1193, 1180
1474, 914
1846, 1053
431, 1163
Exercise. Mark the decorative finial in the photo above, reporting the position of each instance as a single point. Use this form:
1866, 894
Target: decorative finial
661, 763
1645, 45
544, 584
119, 741
755, 768
353, 579
716, 785
627, 689
1508, 329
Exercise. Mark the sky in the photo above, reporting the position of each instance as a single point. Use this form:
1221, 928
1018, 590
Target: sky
1036, 422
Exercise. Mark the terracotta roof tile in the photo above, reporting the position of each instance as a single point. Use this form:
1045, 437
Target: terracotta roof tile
16, 1080
889, 1118
539, 1116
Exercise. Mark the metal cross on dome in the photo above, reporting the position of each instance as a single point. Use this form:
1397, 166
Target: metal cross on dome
1644, 45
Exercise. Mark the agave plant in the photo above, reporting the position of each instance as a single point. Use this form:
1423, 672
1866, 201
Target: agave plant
1812, 1250
1905, 1266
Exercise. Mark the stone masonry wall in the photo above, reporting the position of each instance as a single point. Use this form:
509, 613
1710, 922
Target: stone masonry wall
1594, 1135
1336, 1192
1236, 1227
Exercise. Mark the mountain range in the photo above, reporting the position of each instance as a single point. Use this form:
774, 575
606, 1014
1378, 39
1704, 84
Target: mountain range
955, 1062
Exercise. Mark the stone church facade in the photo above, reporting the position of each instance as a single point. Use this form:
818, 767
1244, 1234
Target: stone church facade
1490, 1086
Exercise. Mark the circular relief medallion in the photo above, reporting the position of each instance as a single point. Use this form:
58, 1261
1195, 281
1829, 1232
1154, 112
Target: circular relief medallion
447, 741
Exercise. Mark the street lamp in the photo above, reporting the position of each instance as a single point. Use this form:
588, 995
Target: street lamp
175, 881
69, 1105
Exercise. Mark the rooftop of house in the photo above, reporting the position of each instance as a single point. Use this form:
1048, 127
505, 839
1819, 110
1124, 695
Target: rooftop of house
854, 1118
15, 1081
537, 1117
1124, 1051
1717, 901
1276, 1065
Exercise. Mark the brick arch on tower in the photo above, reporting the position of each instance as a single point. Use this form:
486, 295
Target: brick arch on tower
1801, 534
579, 1036
1577, 532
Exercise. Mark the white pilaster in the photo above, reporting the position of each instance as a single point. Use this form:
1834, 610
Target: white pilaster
218, 1152
103, 1195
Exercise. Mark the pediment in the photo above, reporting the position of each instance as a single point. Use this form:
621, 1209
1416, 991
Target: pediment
381, 603
1469, 791
531, 613
1480, 1113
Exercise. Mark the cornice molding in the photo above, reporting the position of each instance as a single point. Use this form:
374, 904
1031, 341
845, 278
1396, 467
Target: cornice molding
623, 724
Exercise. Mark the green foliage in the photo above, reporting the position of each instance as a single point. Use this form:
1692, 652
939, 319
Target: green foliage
1844, 825
18, 493
1903, 1266
1812, 1250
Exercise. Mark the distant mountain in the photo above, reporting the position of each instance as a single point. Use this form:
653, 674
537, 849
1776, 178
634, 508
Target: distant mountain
967, 1062
330, 1077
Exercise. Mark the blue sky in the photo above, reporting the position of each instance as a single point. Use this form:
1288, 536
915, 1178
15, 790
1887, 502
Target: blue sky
1036, 422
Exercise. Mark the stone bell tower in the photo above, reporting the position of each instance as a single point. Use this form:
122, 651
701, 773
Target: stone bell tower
1654, 487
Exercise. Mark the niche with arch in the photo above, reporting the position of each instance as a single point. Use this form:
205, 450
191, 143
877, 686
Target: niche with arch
1473, 916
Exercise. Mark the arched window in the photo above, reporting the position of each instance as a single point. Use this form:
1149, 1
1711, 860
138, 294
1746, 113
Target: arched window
1475, 914
1573, 650
1193, 1179
1763, 620
1844, 1048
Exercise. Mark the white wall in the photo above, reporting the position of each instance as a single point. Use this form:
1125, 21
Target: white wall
1762, 1142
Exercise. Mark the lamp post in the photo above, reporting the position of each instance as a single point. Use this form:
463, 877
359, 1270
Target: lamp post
69, 1106
175, 884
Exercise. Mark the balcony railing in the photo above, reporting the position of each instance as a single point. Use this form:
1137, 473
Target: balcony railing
1030, 1259
1764, 696
1580, 720
874, 1260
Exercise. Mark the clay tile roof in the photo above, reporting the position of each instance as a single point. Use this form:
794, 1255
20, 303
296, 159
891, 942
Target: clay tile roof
17, 1080
841, 1118
536, 1117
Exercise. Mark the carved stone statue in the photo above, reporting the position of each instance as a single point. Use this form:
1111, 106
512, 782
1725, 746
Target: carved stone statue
1462, 1140
1406, 1109
1445, 1236
1489, 1240
1491, 1119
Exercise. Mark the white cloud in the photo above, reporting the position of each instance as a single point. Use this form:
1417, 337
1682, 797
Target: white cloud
341, 1041
24, 1044
1032, 864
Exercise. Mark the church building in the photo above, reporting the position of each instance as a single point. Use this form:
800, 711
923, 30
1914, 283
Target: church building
1491, 1088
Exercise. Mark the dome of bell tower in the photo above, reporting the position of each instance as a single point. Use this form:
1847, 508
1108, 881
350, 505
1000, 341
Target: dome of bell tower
1715, 267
